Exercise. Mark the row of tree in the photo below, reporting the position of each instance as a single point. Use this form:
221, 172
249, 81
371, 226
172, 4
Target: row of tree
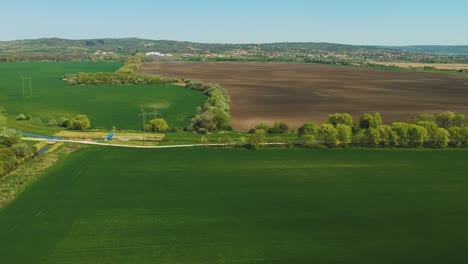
428, 130
115, 79
438, 130
127, 74
214, 114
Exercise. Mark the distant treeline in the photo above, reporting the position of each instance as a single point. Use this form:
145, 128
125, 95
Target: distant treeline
271, 59
125, 75
6, 57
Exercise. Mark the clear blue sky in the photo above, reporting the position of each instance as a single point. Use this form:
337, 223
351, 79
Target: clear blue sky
374, 22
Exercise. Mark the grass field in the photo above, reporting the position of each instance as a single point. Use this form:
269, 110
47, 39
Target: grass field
104, 205
105, 105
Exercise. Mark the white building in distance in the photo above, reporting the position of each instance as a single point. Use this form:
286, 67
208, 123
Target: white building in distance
157, 53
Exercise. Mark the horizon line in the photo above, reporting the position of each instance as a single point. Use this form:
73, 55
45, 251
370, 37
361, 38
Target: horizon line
234, 43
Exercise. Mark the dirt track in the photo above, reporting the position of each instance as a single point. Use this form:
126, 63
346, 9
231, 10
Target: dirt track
297, 92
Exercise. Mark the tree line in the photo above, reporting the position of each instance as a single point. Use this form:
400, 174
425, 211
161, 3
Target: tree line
424, 130
127, 74
214, 114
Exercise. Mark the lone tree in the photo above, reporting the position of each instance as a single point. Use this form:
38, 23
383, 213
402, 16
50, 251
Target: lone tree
80, 122
257, 139
308, 132
158, 125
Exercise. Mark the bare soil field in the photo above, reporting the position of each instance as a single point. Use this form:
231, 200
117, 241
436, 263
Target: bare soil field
298, 92
439, 66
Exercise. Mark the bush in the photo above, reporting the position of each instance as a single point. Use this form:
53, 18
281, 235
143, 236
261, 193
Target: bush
261, 126
52, 123
63, 122
8, 160
11, 137
257, 139
202, 131
308, 132
279, 128
80, 122
158, 125
22, 150
23, 117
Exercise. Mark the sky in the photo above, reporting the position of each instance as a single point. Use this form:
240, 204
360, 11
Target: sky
358, 22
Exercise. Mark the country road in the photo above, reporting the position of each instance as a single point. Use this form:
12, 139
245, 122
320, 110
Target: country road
87, 142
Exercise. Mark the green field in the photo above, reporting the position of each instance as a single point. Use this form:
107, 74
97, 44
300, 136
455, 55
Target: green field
106, 205
105, 105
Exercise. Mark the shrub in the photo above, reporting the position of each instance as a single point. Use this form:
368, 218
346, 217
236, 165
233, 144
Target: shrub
257, 139
80, 122
21, 117
22, 150
63, 122
52, 123
158, 125
308, 132
11, 137
279, 128
7, 160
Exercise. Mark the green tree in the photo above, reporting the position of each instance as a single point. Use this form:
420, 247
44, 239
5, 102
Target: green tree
377, 120
418, 135
456, 135
343, 133
308, 132
445, 119
80, 122
8, 160
459, 120
344, 118
387, 136
11, 137
370, 121
431, 129
158, 125
373, 136
401, 130
423, 117
328, 134
441, 137
257, 139
22, 150
279, 128
261, 126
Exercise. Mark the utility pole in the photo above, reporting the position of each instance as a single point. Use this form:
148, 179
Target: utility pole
144, 115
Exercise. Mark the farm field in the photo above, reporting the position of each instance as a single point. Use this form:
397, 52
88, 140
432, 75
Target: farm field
104, 205
105, 105
297, 93
440, 66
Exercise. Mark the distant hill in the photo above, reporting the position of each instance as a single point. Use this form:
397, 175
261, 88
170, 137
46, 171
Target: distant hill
167, 46
93, 49
439, 50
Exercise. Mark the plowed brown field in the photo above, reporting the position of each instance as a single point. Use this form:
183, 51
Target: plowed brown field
297, 92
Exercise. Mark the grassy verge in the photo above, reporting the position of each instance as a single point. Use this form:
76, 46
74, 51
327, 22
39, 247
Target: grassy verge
13, 184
